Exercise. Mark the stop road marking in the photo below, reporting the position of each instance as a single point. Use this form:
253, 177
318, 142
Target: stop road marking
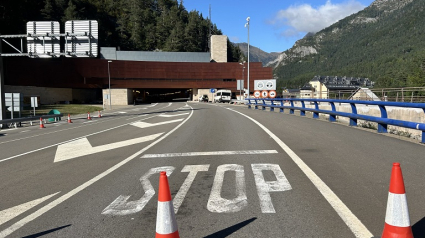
216, 203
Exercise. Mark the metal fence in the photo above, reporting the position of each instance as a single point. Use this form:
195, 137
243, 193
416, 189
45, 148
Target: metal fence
383, 121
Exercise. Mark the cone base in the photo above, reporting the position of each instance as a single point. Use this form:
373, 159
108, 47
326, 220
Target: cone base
396, 232
171, 235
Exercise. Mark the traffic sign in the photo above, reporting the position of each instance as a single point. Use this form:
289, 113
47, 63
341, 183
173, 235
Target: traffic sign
212, 90
265, 84
257, 94
272, 94
264, 94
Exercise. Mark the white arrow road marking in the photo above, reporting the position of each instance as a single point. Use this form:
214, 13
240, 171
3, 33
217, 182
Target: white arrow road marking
10, 213
145, 124
82, 147
174, 115
243, 152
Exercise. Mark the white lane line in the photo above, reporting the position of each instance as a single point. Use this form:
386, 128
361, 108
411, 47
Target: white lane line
78, 189
141, 124
242, 152
173, 115
10, 213
24, 131
355, 225
32, 151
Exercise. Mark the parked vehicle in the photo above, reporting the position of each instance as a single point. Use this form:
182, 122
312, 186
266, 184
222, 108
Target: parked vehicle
204, 98
223, 95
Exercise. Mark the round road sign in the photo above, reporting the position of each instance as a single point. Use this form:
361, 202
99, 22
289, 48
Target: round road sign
212, 90
260, 85
264, 94
257, 94
272, 94
269, 85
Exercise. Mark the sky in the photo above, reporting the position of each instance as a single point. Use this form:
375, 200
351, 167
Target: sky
274, 25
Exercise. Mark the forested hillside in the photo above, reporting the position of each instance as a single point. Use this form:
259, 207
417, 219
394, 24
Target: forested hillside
384, 42
145, 25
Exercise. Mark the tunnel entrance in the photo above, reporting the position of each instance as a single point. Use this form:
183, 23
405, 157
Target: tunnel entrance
153, 95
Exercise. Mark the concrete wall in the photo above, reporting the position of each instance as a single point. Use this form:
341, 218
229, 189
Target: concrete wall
47, 95
219, 48
119, 96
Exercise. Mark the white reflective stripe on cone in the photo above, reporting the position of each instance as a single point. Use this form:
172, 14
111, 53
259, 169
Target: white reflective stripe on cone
397, 211
165, 221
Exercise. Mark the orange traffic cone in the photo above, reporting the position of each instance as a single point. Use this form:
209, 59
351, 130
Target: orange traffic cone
397, 222
41, 123
166, 225
69, 118
88, 116
99, 115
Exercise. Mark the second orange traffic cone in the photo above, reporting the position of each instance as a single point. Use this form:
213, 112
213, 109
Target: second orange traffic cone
166, 225
99, 115
41, 123
397, 222
69, 118
88, 116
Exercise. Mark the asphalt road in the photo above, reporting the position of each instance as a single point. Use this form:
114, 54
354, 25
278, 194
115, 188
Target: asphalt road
233, 172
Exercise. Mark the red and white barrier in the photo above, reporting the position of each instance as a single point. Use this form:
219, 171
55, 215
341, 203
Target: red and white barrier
397, 222
166, 225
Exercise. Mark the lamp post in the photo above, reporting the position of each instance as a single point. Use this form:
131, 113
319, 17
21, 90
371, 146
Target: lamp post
243, 78
247, 25
109, 76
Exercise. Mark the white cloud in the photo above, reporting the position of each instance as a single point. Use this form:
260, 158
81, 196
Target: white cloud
300, 19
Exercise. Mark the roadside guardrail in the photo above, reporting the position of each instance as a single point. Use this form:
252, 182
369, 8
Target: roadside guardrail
382, 121
15, 121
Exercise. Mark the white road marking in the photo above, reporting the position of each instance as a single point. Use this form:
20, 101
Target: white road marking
192, 170
121, 112
10, 213
121, 207
82, 147
29, 152
218, 204
355, 225
24, 131
141, 124
173, 115
242, 152
264, 188
66, 196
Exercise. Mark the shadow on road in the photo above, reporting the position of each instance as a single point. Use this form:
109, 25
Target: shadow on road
46, 232
228, 231
419, 228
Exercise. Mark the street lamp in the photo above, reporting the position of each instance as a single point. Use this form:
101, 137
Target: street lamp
243, 78
109, 76
247, 25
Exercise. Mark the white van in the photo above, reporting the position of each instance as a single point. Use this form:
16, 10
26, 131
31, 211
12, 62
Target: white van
223, 95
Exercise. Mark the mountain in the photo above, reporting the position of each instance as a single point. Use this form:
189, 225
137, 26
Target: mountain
256, 54
383, 42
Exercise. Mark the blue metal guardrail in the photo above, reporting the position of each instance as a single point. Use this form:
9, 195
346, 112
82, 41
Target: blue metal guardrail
382, 121
22, 119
